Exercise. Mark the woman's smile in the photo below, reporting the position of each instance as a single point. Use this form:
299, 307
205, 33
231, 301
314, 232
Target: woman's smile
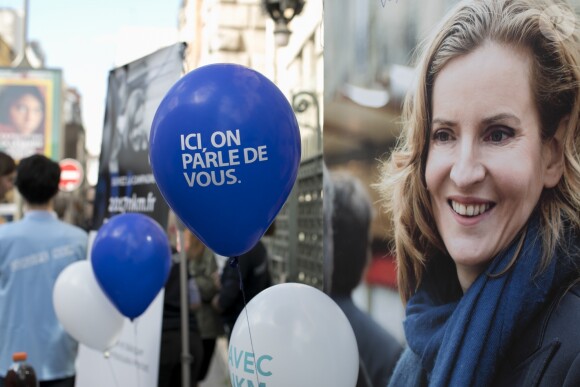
470, 209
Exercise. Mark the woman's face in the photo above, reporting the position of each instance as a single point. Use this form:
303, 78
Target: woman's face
486, 164
26, 114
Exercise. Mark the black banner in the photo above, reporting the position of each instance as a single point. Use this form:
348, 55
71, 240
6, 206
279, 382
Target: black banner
126, 182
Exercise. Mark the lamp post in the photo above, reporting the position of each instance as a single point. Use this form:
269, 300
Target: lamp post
282, 12
21, 60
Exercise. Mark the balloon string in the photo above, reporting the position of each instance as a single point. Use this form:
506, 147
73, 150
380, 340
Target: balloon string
234, 262
108, 360
135, 352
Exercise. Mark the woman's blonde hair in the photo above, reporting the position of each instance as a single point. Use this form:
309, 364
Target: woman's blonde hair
555, 80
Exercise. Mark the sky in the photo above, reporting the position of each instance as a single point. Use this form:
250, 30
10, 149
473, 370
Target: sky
88, 38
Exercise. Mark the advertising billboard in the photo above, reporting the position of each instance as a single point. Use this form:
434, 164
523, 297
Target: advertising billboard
30, 112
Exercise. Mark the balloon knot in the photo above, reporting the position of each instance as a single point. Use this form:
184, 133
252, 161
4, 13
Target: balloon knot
233, 262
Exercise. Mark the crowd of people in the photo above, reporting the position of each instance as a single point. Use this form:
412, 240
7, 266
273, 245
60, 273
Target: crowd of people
35, 249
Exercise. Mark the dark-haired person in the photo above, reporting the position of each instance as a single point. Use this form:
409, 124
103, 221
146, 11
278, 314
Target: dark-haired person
33, 252
351, 218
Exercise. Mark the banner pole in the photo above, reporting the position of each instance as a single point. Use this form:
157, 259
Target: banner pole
186, 358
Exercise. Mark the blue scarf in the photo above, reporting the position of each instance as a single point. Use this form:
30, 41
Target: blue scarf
460, 342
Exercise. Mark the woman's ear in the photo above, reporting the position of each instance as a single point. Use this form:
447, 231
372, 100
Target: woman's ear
553, 151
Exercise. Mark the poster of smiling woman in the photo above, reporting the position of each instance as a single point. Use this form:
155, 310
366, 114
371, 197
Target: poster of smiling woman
30, 112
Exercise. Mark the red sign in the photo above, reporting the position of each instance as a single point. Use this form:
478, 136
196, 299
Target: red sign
71, 175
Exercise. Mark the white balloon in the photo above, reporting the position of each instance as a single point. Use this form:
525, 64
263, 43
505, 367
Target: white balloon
83, 309
299, 337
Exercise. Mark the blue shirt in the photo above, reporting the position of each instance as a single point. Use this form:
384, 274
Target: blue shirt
33, 252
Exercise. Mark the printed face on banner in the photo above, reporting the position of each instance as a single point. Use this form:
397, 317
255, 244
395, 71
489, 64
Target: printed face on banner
28, 115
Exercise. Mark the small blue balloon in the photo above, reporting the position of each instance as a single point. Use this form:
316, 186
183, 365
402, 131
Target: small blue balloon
225, 153
131, 259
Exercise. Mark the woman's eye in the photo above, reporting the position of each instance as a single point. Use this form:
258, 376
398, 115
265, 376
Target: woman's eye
498, 135
441, 136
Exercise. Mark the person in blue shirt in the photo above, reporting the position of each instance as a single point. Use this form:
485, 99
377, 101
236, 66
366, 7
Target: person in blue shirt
33, 252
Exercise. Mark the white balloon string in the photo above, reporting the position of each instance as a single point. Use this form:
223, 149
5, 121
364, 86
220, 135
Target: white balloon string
235, 261
108, 361
135, 351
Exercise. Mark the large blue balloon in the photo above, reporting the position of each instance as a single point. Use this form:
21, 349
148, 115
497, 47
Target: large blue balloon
225, 152
131, 259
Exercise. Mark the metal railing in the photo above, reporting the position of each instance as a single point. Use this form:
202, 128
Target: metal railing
296, 247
